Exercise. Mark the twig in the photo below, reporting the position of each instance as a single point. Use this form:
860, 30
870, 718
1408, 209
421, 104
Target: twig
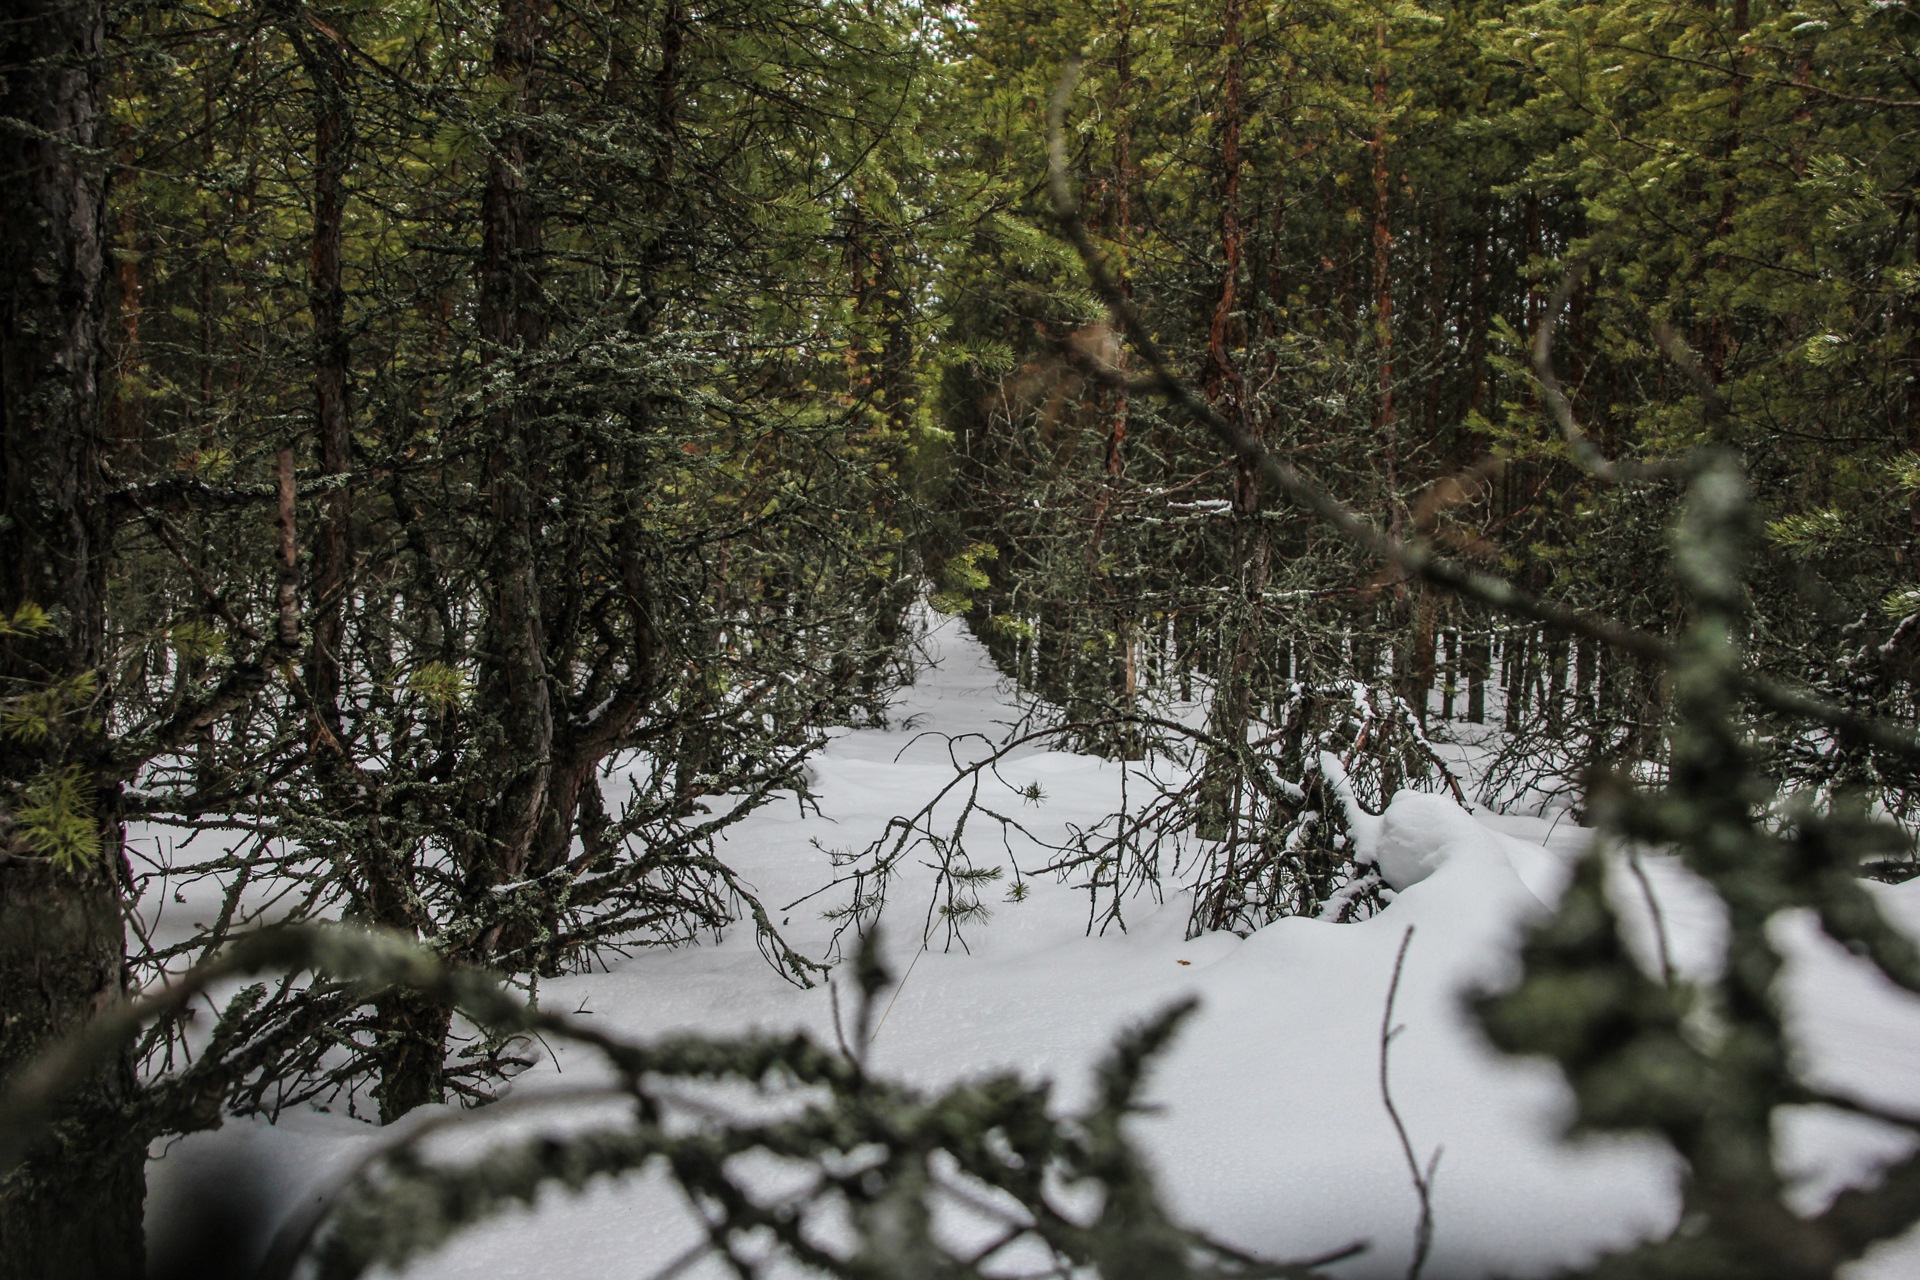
682, 1260
1653, 910
1422, 1178
839, 1030
896, 995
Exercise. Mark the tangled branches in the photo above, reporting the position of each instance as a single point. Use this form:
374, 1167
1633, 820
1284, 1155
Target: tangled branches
1281, 844
876, 1165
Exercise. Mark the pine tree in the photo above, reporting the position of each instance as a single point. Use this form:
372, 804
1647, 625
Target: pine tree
74, 1209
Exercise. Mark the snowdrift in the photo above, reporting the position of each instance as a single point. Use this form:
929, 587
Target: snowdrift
1270, 1130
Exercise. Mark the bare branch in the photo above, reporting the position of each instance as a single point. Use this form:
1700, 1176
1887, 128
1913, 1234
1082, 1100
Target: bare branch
1422, 1177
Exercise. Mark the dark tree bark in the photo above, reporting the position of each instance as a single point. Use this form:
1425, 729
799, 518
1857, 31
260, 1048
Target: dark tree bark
1385, 411
512, 323
1518, 669
1479, 661
321, 55
74, 1209
512, 789
1416, 680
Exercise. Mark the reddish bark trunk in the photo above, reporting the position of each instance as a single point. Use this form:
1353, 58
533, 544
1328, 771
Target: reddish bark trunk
1385, 424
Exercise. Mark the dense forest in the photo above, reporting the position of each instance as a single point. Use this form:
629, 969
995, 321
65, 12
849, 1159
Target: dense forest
412, 413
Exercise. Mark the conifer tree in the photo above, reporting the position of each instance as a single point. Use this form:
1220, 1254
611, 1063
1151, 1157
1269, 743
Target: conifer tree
74, 1209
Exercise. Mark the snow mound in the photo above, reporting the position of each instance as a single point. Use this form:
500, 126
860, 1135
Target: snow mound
1421, 832
1418, 834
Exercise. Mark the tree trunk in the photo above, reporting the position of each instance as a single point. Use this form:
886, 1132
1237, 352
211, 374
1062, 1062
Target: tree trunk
1220, 787
1556, 685
1125, 679
74, 1209
412, 1029
333, 140
1479, 659
1385, 413
512, 785
1417, 680
512, 323
1518, 669
1584, 672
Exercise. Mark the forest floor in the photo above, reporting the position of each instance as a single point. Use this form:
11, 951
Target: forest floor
1271, 1132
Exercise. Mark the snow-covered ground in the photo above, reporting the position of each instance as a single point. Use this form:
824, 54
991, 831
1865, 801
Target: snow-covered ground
1271, 1132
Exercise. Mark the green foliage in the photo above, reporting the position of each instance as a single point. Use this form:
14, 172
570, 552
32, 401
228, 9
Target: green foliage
440, 686
27, 620
196, 640
1707, 1064
961, 578
33, 717
882, 1161
1902, 602
1806, 533
618, 473
54, 818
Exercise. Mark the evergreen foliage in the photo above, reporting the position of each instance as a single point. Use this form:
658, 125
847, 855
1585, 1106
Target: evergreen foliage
414, 415
1706, 1064
588, 438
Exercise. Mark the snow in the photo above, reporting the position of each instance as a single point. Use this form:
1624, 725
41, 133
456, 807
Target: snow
1270, 1130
